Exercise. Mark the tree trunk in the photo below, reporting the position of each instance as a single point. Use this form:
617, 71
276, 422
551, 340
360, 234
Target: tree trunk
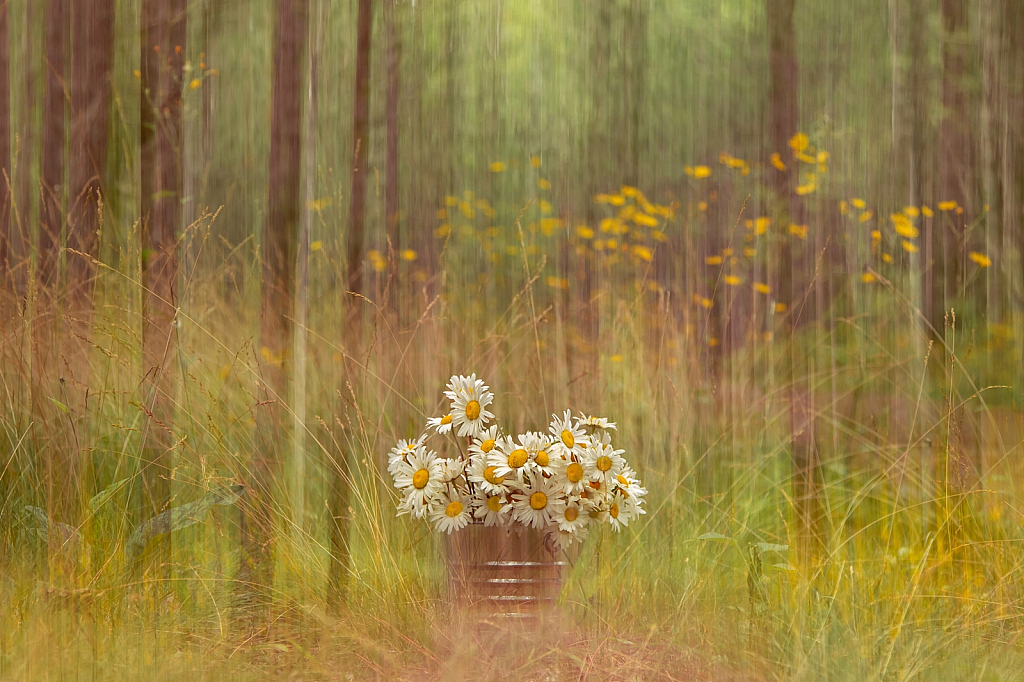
46, 363
783, 116
6, 283
162, 58
279, 242
92, 44
394, 63
53, 155
24, 191
954, 160
360, 128
92, 41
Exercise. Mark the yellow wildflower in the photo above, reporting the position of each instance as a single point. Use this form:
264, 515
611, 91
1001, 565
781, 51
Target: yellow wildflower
981, 259
903, 226
642, 252
798, 142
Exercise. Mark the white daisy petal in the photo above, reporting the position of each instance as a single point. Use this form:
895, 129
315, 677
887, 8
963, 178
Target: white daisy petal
451, 512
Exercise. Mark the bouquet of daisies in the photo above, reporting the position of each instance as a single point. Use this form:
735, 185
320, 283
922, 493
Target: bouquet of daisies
560, 482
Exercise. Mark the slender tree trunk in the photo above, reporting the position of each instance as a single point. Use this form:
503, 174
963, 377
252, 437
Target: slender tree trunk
92, 41
162, 57
24, 192
360, 128
6, 282
52, 163
279, 241
45, 327
393, 67
954, 168
302, 287
783, 115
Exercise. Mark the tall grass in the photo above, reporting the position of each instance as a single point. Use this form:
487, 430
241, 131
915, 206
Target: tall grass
917, 574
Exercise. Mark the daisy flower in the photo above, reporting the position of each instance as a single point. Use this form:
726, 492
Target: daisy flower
537, 503
621, 511
568, 473
602, 463
401, 450
572, 517
440, 424
570, 436
416, 503
597, 422
509, 460
470, 398
485, 441
482, 474
451, 468
493, 509
558, 540
629, 485
419, 477
451, 512
538, 448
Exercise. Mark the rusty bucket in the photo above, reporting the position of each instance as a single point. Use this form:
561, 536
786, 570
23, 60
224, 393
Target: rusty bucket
502, 576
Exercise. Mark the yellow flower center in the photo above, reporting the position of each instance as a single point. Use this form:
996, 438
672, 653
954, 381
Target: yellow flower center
455, 508
472, 410
622, 479
494, 503
614, 511
574, 472
420, 479
596, 485
594, 513
487, 445
604, 462
517, 458
571, 514
568, 439
542, 458
491, 478
447, 419
538, 500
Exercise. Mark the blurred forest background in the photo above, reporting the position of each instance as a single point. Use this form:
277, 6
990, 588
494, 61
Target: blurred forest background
244, 243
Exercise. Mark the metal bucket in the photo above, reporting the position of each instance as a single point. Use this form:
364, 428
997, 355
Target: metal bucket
504, 575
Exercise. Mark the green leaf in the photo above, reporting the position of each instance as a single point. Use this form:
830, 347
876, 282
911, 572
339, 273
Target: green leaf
179, 517
784, 567
100, 498
40, 523
713, 536
62, 406
769, 547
